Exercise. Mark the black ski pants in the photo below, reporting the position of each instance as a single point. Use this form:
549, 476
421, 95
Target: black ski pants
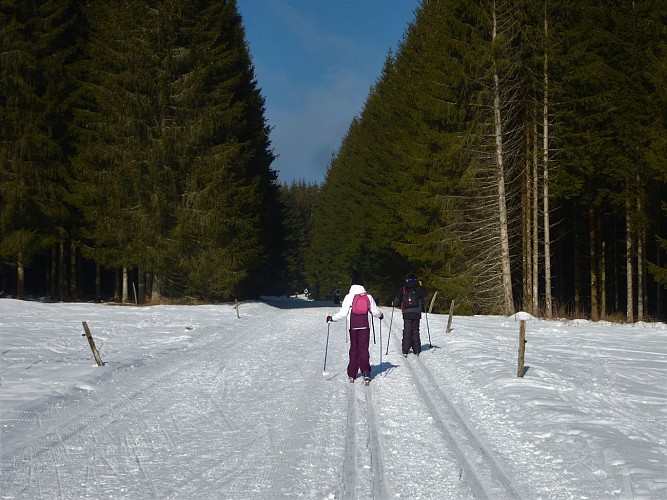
411, 336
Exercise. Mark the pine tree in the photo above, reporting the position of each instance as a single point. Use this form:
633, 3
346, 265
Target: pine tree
37, 82
174, 170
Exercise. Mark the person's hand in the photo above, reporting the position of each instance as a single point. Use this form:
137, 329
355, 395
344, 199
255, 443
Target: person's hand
381, 316
329, 319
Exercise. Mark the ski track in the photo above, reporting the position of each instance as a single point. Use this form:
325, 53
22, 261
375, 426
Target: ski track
484, 471
58, 442
363, 472
378, 485
350, 458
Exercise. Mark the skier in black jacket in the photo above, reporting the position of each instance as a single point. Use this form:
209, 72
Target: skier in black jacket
411, 298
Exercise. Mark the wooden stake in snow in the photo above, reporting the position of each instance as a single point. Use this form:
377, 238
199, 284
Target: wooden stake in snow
451, 313
430, 307
91, 342
522, 347
236, 306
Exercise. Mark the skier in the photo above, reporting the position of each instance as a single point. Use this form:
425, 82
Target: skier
358, 304
411, 299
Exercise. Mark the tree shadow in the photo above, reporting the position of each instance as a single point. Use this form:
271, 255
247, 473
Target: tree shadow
293, 303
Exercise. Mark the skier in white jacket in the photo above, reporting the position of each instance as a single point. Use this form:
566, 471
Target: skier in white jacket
359, 326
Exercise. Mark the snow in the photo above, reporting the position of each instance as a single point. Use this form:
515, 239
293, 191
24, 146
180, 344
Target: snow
195, 402
523, 316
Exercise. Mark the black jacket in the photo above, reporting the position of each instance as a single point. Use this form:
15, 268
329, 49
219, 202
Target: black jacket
412, 312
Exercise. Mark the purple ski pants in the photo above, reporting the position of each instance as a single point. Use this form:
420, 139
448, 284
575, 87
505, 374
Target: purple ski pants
360, 358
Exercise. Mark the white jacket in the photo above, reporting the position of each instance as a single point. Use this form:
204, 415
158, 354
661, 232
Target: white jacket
346, 306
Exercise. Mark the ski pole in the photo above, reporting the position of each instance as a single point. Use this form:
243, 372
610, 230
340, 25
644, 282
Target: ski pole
380, 345
429, 333
389, 336
326, 350
373, 323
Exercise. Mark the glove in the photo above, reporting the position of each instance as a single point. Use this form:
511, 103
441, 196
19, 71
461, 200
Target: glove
329, 319
381, 316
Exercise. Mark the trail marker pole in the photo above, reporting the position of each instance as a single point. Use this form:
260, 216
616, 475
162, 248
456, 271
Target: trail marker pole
522, 348
91, 342
451, 313
430, 307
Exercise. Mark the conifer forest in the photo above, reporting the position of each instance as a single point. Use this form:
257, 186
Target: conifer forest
512, 154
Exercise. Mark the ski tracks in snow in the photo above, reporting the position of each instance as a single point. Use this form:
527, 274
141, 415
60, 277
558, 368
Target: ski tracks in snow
484, 470
466, 463
363, 471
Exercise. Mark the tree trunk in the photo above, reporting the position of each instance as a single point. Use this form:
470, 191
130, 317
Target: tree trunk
616, 267
640, 259
141, 285
603, 275
577, 266
156, 288
73, 279
502, 208
117, 281
659, 291
53, 281
548, 301
526, 227
20, 277
61, 271
536, 242
630, 314
592, 242
526, 197
98, 282
125, 284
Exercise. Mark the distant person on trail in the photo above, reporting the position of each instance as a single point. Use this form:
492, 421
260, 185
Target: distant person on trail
358, 304
411, 299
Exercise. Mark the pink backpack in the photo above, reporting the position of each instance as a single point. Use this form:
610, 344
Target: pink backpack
361, 304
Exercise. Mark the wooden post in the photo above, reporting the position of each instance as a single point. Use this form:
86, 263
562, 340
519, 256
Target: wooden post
430, 308
451, 313
522, 347
91, 342
236, 306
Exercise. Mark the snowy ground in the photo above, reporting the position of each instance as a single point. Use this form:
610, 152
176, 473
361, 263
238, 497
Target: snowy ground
194, 402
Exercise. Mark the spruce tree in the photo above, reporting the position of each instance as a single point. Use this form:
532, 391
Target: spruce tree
36, 42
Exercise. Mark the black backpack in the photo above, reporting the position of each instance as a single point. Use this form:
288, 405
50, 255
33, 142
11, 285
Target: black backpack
410, 298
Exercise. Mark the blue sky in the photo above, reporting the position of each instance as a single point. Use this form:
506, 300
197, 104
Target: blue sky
315, 61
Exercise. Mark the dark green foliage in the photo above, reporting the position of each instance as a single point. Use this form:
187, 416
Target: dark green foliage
37, 81
412, 186
299, 200
133, 133
171, 158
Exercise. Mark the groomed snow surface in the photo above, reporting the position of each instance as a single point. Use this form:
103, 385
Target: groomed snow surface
196, 403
